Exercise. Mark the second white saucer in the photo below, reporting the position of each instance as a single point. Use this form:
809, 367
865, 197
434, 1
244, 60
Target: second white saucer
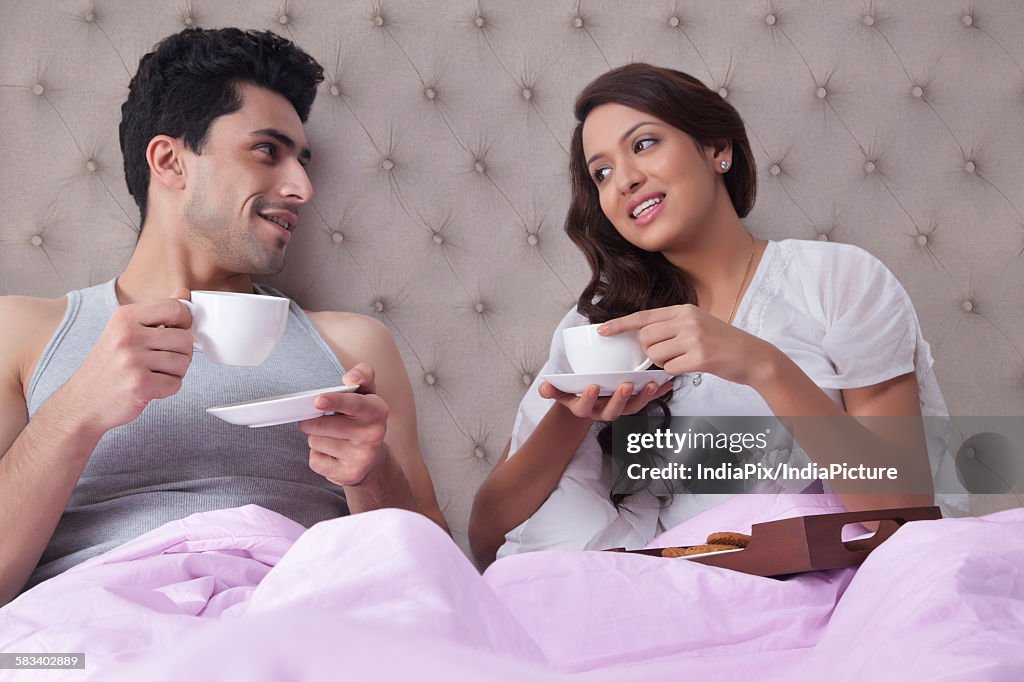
607, 381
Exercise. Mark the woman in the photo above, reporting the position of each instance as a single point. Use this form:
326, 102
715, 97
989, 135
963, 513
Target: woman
661, 174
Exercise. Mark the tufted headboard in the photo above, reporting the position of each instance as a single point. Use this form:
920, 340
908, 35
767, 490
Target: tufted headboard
440, 167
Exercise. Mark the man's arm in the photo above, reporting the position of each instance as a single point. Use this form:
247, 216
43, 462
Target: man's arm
359, 339
135, 360
40, 462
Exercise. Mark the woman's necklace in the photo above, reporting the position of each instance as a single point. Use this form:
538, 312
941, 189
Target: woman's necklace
697, 378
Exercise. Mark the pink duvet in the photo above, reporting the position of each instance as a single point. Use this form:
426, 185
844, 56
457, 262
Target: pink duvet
245, 594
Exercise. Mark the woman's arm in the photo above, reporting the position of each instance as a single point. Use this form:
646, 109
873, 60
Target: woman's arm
880, 427
519, 485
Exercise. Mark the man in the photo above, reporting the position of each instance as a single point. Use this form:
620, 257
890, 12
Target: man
103, 427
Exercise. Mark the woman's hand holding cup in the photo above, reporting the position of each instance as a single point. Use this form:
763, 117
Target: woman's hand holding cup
683, 338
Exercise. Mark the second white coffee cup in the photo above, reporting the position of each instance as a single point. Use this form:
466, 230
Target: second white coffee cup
237, 329
590, 353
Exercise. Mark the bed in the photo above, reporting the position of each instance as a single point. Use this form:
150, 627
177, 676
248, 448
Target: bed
440, 166
247, 594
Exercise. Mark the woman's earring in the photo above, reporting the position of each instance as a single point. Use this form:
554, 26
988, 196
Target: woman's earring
725, 165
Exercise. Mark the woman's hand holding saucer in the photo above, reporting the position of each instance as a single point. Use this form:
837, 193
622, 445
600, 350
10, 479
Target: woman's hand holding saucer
683, 339
589, 405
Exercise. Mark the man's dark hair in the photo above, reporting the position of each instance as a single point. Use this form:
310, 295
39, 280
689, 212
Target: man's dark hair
193, 77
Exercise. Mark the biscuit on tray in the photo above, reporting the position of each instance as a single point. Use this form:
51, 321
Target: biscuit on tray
675, 552
728, 538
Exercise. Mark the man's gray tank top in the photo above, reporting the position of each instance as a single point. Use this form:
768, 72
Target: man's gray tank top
175, 459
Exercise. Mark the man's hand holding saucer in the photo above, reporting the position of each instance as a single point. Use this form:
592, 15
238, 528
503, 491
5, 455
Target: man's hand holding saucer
347, 447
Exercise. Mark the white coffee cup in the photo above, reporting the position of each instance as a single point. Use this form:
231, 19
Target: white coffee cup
591, 353
236, 329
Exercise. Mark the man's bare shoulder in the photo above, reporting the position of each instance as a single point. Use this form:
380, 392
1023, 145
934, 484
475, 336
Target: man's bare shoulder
29, 324
356, 338
28, 316
358, 334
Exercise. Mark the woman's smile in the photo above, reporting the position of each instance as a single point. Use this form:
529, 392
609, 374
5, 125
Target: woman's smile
646, 208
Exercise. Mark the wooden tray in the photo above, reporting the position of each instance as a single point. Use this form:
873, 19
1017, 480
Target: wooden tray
806, 543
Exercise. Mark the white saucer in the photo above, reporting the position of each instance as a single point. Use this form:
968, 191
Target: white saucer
281, 409
608, 381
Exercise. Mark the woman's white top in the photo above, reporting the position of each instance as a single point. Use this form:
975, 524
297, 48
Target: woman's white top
834, 309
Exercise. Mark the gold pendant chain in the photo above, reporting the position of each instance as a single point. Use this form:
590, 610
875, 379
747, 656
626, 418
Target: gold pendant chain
739, 293
743, 282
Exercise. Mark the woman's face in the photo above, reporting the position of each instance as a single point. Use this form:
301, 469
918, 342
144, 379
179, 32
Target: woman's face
656, 185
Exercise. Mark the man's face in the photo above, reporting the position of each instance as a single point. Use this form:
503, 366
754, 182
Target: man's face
245, 188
